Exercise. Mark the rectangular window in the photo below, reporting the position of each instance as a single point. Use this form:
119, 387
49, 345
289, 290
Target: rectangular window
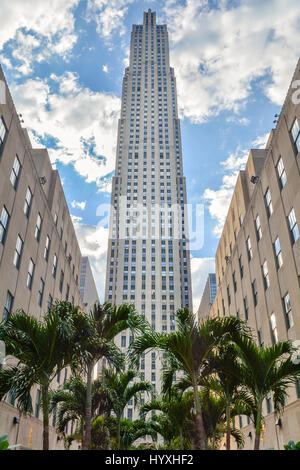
4, 220
260, 338
298, 388
28, 201
254, 291
241, 267
18, 252
228, 295
37, 404
8, 305
2, 132
129, 414
258, 228
295, 133
30, 274
266, 275
293, 226
123, 341
268, 201
38, 227
67, 292
50, 302
281, 173
278, 254
41, 292
61, 281
47, 248
249, 248
54, 266
288, 311
274, 328
15, 172
269, 404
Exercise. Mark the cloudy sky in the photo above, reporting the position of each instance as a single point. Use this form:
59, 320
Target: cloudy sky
64, 64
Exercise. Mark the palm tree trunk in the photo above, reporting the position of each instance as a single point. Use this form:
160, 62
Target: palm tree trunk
88, 411
228, 425
199, 417
181, 440
258, 427
45, 402
119, 432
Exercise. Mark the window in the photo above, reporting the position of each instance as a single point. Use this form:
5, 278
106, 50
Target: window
234, 282
288, 311
28, 201
61, 281
18, 252
41, 292
295, 132
249, 248
281, 173
298, 388
258, 228
38, 227
228, 295
47, 248
30, 274
260, 338
266, 275
278, 254
129, 414
50, 302
241, 267
67, 292
269, 404
4, 219
37, 403
54, 266
8, 305
293, 226
2, 132
255, 294
274, 328
268, 201
123, 341
15, 172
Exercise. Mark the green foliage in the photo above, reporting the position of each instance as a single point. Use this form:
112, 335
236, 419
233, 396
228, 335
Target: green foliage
292, 446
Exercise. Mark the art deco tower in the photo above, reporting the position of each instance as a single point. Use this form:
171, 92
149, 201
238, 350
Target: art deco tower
148, 256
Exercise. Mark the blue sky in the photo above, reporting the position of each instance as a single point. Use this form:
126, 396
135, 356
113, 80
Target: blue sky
233, 61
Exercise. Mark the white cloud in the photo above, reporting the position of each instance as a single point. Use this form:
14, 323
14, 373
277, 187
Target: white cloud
217, 53
78, 204
82, 123
51, 27
200, 268
109, 16
105, 68
93, 242
219, 200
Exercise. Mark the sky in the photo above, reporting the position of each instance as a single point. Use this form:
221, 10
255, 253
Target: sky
64, 64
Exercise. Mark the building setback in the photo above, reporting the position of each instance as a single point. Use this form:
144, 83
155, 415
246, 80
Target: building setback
148, 257
208, 297
258, 257
40, 259
88, 290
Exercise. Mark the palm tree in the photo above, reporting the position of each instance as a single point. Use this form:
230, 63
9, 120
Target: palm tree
43, 348
70, 403
266, 370
120, 392
130, 431
105, 322
177, 410
191, 347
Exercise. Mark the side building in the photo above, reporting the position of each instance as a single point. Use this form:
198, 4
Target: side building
88, 290
40, 259
208, 297
258, 257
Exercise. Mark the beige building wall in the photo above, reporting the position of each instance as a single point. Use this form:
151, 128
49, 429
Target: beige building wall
48, 200
235, 291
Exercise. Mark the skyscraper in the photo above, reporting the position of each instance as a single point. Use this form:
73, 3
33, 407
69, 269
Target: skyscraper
148, 254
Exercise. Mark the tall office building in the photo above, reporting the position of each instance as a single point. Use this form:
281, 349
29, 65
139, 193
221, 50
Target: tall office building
148, 254
88, 289
208, 297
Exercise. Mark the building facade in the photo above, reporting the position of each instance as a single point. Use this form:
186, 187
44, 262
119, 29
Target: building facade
40, 259
88, 290
208, 297
148, 254
258, 257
